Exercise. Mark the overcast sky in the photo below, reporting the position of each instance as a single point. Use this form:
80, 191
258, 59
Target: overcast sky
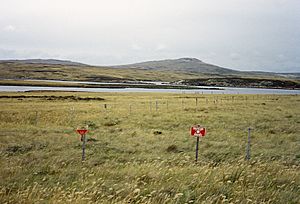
237, 34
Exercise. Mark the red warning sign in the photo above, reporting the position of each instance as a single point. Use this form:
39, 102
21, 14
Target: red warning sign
82, 131
198, 131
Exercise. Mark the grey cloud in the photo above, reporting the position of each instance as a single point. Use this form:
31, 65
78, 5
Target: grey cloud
245, 35
9, 28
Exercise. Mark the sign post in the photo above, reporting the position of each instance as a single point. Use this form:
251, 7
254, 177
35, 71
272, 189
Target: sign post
197, 149
82, 132
197, 131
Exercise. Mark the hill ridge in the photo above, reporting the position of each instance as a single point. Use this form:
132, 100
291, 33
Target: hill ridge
44, 61
185, 64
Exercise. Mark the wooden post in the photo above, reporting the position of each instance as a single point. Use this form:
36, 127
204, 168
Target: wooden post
72, 115
248, 145
167, 105
36, 117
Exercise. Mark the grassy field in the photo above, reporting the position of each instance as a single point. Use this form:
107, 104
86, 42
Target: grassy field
139, 149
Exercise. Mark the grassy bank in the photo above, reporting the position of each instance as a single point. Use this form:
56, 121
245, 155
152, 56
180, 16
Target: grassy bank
139, 149
107, 85
245, 82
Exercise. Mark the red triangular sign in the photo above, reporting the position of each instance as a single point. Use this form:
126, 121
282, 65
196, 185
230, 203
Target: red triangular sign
82, 132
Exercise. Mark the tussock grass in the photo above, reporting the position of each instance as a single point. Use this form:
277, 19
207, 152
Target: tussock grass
142, 153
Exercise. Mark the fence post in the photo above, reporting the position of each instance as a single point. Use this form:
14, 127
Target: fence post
248, 145
72, 115
36, 117
167, 105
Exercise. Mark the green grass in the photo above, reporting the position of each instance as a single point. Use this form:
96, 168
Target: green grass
128, 159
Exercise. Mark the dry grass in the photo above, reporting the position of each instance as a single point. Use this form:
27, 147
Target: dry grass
142, 153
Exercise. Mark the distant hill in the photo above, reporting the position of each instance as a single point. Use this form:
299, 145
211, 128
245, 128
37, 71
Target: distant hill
189, 71
194, 65
45, 61
182, 65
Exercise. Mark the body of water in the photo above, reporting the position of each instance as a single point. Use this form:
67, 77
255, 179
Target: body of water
226, 90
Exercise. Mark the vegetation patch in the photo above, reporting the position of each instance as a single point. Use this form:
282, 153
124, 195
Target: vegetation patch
22, 149
73, 98
244, 82
173, 148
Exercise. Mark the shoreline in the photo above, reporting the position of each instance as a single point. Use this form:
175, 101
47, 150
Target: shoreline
123, 85
109, 85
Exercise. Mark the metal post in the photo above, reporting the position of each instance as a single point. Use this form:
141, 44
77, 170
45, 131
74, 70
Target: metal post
197, 148
196, 102
248, 145
156, 105
83, 147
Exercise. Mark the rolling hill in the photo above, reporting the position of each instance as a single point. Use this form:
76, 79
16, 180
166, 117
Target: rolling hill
44, 61
183, 65
188, 71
